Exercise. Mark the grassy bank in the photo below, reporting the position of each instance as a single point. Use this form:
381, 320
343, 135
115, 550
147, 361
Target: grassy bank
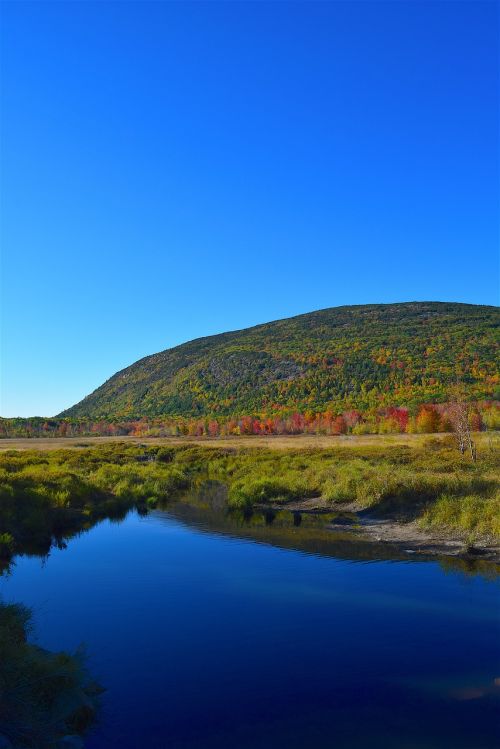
44, 696
431, 483
47, 496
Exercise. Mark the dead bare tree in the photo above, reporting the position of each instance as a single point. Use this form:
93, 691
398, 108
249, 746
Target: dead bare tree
459, 412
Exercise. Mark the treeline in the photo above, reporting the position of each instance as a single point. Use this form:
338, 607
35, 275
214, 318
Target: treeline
424, 419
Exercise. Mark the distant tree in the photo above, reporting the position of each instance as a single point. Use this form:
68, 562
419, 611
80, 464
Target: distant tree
428, 420
339, 426
296, 424
246, 424
459, 414
213, 428
352, 418
399, 416
491, 415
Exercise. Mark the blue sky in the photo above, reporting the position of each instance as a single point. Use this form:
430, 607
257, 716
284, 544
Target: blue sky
173, 170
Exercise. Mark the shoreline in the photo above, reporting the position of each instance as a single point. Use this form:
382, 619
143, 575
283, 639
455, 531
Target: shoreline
405, 535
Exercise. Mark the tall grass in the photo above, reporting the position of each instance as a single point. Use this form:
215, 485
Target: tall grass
472, 516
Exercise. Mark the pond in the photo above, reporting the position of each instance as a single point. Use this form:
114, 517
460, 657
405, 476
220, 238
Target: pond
210, 630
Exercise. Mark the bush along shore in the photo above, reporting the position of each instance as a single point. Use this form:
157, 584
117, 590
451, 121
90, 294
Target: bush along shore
47, 700
45, 498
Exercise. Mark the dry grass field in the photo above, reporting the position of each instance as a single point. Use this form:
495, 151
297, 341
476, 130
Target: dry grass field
277, 442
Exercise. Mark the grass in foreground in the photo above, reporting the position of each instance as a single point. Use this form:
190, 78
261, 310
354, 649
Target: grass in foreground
43, 696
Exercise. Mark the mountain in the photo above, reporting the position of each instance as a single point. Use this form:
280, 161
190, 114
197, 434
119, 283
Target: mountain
343, 357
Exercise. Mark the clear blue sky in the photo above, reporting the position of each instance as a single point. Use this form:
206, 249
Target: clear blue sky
173, 170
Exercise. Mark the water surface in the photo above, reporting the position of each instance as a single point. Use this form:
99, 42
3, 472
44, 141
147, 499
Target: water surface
211, 630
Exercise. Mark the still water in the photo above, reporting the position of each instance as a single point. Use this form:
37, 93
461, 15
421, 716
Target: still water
214, 631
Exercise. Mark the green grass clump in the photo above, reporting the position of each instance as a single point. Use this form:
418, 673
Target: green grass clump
44, 696
138, 482
250, 491
386, 487
471, 516
344, 483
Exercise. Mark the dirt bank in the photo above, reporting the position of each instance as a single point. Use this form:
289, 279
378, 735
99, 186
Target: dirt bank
405, 534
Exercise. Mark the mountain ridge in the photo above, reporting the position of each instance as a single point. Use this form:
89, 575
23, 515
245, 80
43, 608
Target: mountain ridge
353, 355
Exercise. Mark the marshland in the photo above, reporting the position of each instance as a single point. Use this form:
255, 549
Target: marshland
427, 483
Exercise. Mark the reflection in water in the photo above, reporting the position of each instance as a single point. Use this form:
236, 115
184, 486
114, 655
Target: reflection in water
269, 516
311, 532
42, 532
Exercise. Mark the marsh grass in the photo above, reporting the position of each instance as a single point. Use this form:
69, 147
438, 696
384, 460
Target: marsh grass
473, 516
432, 483
46, 495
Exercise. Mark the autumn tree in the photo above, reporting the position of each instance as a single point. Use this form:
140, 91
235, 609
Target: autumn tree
428, 420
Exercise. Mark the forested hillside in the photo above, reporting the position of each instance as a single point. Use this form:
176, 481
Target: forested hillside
360, 357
